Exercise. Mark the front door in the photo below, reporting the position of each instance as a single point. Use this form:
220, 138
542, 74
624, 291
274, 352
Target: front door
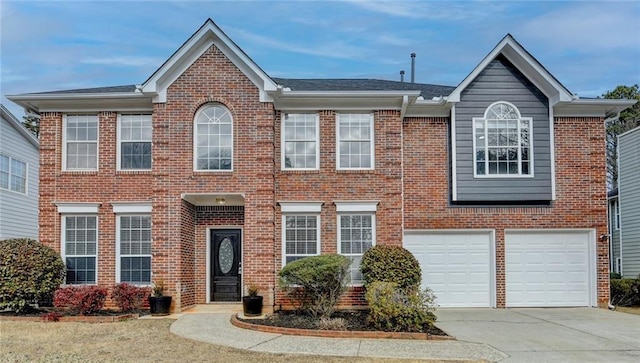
226, 265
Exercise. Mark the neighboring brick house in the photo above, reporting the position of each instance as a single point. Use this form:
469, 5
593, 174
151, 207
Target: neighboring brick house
211, 175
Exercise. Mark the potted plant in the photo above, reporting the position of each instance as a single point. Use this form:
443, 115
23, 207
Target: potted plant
159, 304
252, 302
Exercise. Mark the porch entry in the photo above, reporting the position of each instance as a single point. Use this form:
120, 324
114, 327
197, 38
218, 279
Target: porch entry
226, 265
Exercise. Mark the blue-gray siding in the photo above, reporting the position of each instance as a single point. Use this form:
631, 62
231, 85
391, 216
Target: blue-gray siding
19, 212
501, 81
629, 194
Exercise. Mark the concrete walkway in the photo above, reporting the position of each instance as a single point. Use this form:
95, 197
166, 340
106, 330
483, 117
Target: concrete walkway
506, 335
212, 325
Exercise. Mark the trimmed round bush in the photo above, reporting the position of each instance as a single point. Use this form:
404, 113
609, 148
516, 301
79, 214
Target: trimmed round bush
316, 283
391, 264
30, 272
395, 309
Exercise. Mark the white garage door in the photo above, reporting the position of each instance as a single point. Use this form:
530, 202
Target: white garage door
549, 268
456, 265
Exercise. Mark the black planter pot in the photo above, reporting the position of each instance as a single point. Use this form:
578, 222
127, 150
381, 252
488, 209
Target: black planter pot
159, 305
252, 305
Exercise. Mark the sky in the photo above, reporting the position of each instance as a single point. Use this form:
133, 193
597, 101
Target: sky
589, 46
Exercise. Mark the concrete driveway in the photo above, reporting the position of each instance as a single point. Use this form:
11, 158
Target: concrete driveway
548, 335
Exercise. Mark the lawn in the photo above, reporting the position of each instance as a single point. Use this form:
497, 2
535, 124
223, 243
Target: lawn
129, 341
629, 309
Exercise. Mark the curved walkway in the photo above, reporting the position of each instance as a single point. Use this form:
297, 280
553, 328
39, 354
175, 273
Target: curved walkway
216, 328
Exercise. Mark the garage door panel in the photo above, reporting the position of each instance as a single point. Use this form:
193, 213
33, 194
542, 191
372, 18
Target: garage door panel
547, 268
456, 266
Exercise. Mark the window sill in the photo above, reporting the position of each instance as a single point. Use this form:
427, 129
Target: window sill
300, 171
355, 171
80, 172
126, 172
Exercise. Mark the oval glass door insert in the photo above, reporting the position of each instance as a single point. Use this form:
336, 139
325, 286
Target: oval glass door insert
225, 255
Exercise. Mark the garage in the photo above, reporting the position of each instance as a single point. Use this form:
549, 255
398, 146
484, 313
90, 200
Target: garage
550, 268
456, 264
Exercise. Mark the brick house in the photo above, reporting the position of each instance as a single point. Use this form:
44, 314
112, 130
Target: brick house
211, 176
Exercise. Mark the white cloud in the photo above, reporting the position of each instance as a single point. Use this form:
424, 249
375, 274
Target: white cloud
437, 10
122, 61
332, 49
588, 26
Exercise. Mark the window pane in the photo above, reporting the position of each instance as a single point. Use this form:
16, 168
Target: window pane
301, 236
214, 139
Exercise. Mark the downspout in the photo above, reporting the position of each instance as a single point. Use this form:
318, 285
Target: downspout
609, 304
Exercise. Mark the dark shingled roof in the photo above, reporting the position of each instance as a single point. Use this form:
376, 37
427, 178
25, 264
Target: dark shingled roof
112, 89
427, 91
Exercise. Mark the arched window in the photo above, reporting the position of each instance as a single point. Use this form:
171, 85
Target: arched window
213, 138
502, 142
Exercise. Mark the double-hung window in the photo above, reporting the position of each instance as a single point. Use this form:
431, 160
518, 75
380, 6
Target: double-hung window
355, 141
134, 249
134, 142
13, 174
356, 233
80, 248
300, 141
300, 230
502, 142
213, 139
80, 142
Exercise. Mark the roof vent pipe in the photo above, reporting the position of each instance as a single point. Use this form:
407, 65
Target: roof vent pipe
413, 67
402, 76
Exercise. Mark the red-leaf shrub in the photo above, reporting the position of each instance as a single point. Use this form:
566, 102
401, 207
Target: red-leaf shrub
130, 298
81, 299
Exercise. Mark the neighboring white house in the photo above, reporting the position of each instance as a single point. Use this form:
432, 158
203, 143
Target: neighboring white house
19, 164
624, 208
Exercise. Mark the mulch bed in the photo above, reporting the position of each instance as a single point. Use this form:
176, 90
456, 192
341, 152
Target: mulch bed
355, 320
56, 314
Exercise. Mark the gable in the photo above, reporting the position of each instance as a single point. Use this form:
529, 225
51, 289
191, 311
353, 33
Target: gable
209, 34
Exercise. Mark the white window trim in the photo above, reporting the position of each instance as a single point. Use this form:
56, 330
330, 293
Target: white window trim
77, 208
339, 235
284, 233
357, 206
616, 214
26, 180
118, 255
63, 252
531, 149
64, 144
194, 150
300, 207
132, 207
283, 141
372, 142
119, 142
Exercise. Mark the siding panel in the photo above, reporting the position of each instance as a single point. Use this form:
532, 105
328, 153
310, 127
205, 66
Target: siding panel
19, 212
501, 81
629, 194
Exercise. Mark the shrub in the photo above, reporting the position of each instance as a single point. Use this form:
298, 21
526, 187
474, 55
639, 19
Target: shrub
395, 309
614, 276
130, 298
391, 264
316, 283
625, 292
29, 273
84, 299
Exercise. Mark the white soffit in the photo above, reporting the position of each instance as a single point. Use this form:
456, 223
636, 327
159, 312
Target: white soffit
208, 34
